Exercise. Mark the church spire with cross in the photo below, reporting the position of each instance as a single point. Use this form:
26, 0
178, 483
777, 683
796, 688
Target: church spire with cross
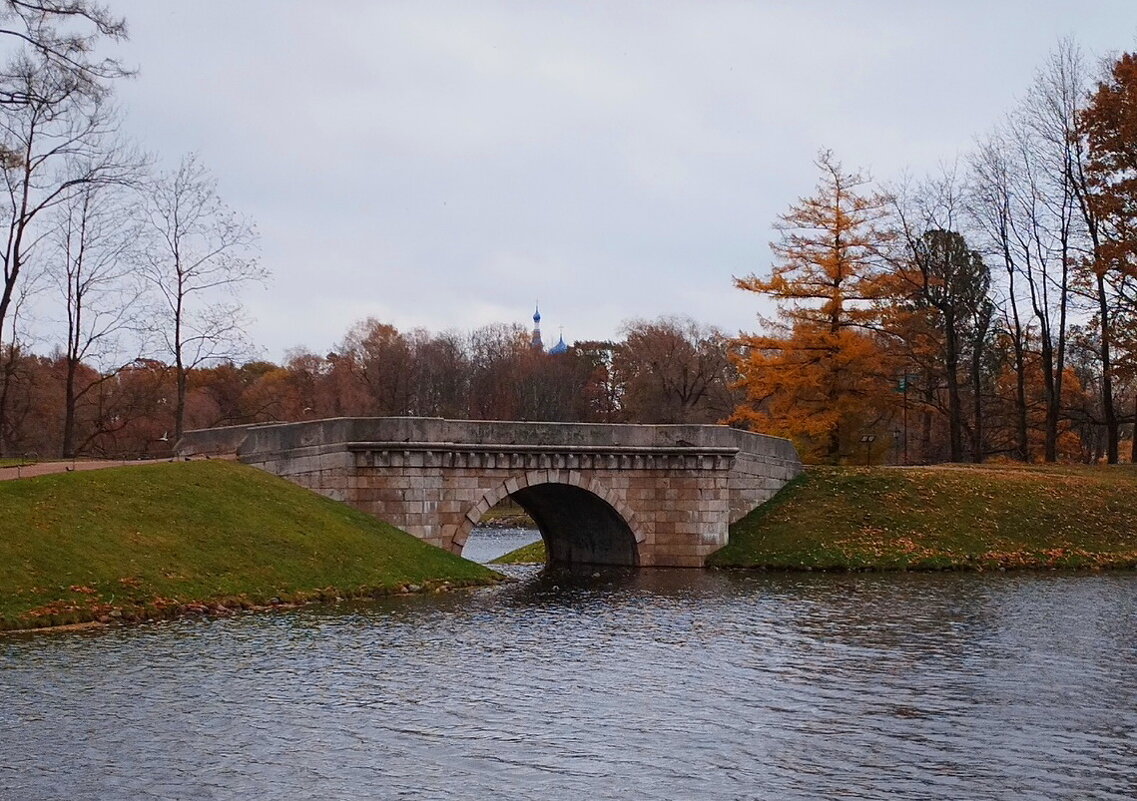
536, 342
560, 347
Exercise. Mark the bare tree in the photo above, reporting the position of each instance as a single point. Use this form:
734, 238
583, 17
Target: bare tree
14, 354
993, 207
675, 371
1045, 137
1059, 96
62, 34
198, 254
50, 147
379, 358
97, 228
441, 374
496, 353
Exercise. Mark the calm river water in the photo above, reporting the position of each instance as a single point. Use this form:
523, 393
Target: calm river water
656, 684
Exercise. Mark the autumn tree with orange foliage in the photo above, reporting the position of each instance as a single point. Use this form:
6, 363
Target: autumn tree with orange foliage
1109, 123
821, 376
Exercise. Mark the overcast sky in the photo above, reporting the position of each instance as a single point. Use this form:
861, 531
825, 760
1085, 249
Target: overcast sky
443, 165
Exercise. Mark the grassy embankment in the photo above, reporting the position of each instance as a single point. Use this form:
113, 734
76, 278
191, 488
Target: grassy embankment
533, 553
954, 517
159, 540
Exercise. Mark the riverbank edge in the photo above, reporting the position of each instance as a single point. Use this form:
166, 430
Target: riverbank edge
531, 554
522, 556
508, 522
1025, 565
105, 540
235, 605
952, 518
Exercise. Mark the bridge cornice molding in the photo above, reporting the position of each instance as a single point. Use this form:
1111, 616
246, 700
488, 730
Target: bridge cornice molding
501, 447
502, 456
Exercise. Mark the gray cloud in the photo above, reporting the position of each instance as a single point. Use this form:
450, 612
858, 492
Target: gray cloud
444, 164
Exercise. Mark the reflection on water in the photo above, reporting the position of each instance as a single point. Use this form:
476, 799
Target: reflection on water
606, 684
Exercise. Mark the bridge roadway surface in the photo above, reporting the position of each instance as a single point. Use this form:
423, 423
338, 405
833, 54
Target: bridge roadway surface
615, 494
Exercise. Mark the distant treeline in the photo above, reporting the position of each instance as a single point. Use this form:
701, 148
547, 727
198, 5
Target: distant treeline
667, 370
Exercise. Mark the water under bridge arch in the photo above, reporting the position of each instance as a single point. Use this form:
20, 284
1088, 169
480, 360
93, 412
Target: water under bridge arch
652, 495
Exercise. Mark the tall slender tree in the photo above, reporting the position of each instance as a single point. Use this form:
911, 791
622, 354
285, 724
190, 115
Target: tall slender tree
1051, 112
993, 208
821, 373
97, 227
1110, 208
198, 254
51, 146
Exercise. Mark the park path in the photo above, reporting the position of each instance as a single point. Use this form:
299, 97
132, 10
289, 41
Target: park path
46, 468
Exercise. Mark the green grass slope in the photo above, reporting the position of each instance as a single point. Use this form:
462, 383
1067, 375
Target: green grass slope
533, 553
962, 517
158, 540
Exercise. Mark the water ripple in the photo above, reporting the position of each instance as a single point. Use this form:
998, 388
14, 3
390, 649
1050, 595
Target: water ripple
655, 685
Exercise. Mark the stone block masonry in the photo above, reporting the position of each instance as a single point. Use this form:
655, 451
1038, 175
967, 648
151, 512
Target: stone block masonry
650, 495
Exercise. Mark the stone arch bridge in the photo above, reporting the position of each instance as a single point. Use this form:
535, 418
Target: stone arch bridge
651, 495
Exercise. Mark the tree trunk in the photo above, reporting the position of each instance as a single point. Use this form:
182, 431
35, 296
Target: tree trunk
977, 405
1108, 409
1050, 392
1060, 356
180, 405
955, 404
1133, 444
834, 446
7, 377
4, 416
69, 410
926, 422
1021, 440
1022, 444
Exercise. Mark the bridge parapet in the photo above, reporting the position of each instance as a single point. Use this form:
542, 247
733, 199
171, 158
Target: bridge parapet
673, 489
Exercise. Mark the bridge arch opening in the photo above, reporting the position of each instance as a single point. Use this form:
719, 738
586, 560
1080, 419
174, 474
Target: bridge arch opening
577, 525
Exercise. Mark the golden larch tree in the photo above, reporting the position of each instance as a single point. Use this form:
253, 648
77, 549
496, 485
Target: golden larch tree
819, 375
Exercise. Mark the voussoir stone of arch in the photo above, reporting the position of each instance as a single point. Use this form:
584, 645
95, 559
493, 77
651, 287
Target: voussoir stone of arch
649, 495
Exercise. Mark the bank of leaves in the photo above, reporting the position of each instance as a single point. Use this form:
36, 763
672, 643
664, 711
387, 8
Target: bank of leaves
160, 540
951, 517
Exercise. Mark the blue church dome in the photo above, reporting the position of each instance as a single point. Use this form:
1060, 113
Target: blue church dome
560, 347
